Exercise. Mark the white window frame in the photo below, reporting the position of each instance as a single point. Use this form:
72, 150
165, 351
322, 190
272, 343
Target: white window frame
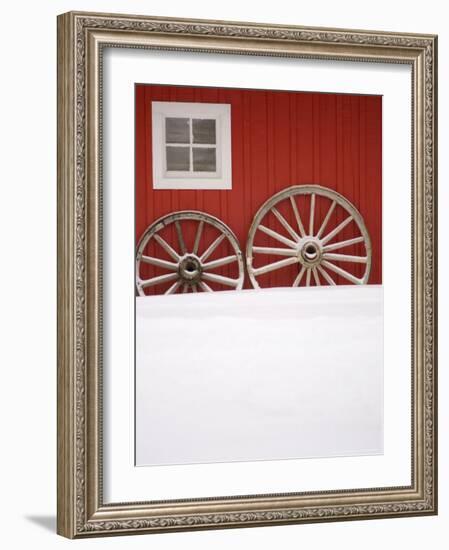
222, 177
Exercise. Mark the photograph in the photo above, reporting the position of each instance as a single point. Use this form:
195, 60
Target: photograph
259, 298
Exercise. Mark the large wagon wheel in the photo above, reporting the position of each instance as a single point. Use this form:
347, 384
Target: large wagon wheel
189, 268
312, 246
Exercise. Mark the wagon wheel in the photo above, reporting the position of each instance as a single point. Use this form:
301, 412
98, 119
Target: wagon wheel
312, 246
189, 268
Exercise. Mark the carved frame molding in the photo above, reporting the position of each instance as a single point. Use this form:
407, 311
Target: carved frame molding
81, 39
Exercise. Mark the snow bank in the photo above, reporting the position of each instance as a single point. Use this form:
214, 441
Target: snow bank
259, 375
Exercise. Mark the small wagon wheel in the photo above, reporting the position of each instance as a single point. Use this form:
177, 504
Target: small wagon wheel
310, 246
190, 268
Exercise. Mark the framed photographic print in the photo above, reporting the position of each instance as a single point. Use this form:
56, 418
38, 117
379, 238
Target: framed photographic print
247, 274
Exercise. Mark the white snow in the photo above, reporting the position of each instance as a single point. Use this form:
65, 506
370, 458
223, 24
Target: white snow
259, 375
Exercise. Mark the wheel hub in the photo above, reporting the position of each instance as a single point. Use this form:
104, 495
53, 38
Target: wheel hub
310, 252
190, 268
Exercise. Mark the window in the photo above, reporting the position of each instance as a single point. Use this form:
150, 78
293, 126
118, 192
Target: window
191, 145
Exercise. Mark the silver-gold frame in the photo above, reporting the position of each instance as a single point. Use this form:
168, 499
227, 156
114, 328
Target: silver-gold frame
81, 40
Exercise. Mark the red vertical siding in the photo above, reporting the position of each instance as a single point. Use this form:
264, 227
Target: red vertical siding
279, 139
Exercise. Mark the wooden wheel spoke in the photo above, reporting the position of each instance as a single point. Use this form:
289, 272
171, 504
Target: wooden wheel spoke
277, 236
326, 219
326, 275
337, 230
212, 247
160, 279
185, 288
308, 276
285, 224
316, 277
221, 279
274, 251
205, 287
342, 244
299, 277
159, 263
275, 265
199, 232
297, 216
345, 258
182, 244
341, 272
174, 287
170, 251
220, 262
312, 213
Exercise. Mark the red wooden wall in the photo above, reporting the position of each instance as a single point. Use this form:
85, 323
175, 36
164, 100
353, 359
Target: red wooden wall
279, 139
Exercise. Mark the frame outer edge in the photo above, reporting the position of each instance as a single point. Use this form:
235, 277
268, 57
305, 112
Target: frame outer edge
161, 19
77, 428
66, 286
435, 271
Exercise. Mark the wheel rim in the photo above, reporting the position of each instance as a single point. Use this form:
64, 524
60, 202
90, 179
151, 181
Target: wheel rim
314, 247
188, 267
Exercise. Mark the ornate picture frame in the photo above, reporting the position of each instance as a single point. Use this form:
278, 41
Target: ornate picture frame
82, 40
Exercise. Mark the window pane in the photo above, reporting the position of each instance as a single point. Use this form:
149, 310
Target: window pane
177, 130
203, 130
204, 159
178, 158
